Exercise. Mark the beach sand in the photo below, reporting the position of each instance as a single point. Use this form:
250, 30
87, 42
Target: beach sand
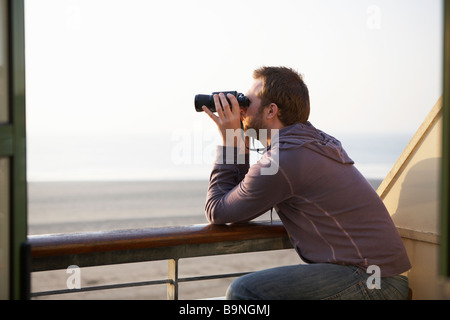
62, 207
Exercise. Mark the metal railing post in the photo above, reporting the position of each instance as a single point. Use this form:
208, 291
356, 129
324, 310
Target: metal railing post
172, 286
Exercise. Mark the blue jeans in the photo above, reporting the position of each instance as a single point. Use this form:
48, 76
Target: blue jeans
321, 281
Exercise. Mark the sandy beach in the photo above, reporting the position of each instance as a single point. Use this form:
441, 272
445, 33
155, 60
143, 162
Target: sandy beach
62, 207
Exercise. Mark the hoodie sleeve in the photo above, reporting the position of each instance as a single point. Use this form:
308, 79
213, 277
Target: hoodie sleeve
239, 193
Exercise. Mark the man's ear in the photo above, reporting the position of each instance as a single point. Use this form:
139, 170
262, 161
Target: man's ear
272, 111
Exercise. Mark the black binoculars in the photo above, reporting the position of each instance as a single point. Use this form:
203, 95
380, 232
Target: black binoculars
208, 100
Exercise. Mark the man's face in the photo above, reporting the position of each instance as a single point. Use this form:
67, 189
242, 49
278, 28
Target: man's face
252, 117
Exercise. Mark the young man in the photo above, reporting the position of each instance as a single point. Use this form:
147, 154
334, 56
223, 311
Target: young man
336, 221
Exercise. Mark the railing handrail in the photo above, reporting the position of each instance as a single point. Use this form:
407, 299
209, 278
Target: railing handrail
129, 239
54, 251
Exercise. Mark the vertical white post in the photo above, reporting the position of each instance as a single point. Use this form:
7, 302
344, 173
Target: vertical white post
172, 288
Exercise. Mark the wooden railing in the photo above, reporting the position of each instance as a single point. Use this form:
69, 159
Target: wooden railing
58, 251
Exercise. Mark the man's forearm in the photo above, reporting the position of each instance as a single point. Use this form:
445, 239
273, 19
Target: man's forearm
229, 169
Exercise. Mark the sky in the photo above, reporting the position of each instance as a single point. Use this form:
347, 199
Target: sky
111, 84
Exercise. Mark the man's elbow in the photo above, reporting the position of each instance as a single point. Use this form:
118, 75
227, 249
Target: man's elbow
214, 218
213, 214
216, 222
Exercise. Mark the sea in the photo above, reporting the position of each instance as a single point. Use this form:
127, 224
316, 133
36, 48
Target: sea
125, 184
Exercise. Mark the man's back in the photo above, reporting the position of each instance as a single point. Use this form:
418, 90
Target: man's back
334, 215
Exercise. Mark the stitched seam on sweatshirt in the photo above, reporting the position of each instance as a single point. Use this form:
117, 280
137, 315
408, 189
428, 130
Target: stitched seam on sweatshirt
320, 235
287, 179
337, 223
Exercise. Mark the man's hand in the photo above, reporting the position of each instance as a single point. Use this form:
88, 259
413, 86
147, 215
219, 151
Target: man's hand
228, 120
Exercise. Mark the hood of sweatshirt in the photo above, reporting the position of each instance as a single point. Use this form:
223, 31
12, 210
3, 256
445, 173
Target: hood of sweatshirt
307, 136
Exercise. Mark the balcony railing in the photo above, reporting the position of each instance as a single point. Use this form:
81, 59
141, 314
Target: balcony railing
59, 251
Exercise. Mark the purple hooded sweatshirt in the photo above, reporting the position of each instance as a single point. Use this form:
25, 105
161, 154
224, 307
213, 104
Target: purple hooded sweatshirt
330, 211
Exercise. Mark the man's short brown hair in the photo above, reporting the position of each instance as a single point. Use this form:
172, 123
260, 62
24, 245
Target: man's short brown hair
284, 87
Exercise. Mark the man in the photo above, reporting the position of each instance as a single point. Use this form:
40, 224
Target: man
336, 221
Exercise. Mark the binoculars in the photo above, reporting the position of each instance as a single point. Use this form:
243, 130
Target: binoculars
208, 100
